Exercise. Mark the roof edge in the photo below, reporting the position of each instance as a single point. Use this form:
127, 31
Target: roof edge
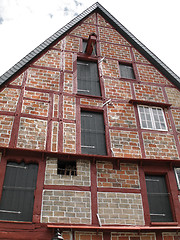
166, 71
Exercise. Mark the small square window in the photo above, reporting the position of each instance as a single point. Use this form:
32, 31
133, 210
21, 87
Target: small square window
126, 71
67, 168
177, 174
152, 118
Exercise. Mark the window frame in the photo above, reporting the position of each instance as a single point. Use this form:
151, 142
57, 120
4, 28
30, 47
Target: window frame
104, 132
152, 118
8, 162
130, 65
86, 91
27, 157
170, 206
177, 178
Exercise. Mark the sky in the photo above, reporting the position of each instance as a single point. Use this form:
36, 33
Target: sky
24, 24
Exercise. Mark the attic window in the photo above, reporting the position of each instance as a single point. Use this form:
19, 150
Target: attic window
126, 71
89, 46
67, 168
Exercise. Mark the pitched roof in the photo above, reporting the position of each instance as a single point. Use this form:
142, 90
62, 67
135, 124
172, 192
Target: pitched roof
115, 23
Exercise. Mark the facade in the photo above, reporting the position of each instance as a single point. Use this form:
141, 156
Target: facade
90, 138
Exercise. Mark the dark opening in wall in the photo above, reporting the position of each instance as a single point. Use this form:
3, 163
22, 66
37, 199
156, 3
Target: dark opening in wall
67, 168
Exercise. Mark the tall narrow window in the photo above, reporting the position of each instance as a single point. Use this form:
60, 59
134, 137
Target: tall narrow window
17, 199
92, 133
152, 118
126, 71
158, 198
88, 78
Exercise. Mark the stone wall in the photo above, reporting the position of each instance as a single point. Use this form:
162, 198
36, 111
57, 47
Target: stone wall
120, 208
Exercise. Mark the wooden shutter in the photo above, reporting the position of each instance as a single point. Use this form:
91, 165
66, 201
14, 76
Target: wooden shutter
88, 78
92, 133
126, 71
18, 192
158, 198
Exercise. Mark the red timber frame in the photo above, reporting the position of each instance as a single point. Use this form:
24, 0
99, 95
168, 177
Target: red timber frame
165, 166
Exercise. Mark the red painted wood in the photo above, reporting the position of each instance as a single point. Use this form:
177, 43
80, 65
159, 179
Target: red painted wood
63, 187
45, 68
78, 126
60, 130
144, 196
38, 192
172, 124
134, 66
3, 163
90, 43
5, 113
122, 190
157, 104
15, 127
116, 228
49, 123
26, 115
106, 236
36, 100
159, 235
94, 207
107, 132
139, 129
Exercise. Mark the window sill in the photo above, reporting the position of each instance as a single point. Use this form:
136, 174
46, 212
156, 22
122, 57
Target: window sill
149, 103
164, 223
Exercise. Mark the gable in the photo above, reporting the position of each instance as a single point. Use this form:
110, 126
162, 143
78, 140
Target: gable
40, 109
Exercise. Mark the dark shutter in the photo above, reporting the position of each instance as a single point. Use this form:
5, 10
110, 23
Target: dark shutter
92, 133
158, 198
18, 192
126, 71
88, 78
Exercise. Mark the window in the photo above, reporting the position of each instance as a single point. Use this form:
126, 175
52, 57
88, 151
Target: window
18, 192
177, 174
88, 78
126, 71
152, 118
67, 168
84, 45
92, 133
158, 198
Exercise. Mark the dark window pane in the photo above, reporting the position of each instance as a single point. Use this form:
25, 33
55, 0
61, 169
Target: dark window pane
92, 133
158, 198
88, 78
127, 71
18, 192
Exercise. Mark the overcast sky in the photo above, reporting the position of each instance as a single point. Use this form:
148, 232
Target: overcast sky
24, 24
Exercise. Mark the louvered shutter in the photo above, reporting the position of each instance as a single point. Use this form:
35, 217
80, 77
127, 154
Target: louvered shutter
18, 192
88, 78
126, 71
92, 133
158, 198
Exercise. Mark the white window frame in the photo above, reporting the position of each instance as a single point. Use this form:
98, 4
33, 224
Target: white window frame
177, 178
152, 118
